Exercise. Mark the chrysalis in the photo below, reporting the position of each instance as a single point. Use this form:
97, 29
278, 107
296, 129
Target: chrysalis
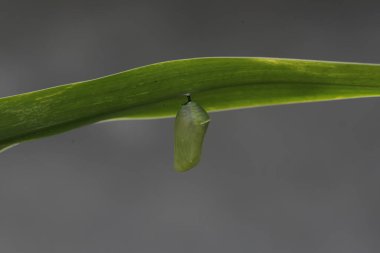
190, 128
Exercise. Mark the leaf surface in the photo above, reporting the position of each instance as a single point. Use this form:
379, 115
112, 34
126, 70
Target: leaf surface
156, 91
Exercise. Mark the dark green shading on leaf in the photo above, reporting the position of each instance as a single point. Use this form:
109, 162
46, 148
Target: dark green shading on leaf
155, 91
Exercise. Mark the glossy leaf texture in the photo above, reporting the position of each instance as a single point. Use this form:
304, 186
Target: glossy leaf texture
156, 91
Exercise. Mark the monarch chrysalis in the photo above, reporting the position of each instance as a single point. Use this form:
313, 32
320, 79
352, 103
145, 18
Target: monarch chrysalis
190, 128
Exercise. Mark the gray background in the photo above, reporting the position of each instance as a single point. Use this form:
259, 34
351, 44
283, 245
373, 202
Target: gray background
294, 178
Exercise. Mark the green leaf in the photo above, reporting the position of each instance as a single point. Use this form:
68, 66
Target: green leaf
155, 91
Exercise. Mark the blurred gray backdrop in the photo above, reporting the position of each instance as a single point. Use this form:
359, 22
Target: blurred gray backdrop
294, 178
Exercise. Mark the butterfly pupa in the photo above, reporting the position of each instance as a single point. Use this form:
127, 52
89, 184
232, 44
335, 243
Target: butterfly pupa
190, 128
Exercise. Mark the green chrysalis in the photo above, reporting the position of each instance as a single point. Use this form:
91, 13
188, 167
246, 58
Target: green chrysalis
190, 128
